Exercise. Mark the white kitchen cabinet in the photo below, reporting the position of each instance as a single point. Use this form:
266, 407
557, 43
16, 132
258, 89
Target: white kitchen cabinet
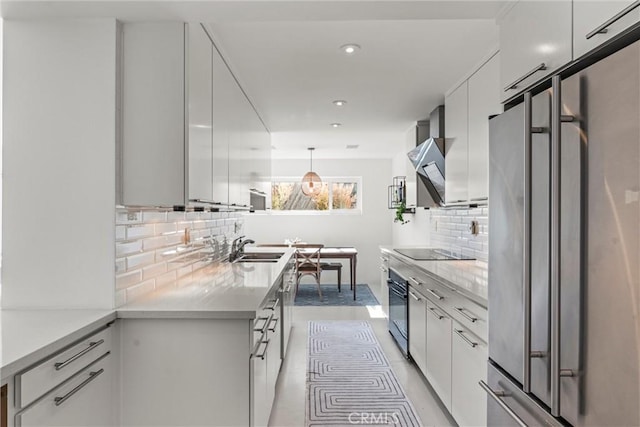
241, 139
469, 366
533, 33
153, 117
418, 328
223, 84
456, 145
200, 98
438, 367
259, 366
484, 101
590, 15
384, 288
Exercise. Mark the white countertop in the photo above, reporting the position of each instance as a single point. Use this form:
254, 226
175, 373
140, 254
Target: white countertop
30, 335
469, 278
219, 291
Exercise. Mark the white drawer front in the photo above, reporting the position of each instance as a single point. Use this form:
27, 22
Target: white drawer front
41, 378
85, 400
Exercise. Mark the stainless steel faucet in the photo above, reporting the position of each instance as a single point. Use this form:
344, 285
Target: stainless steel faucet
237, 247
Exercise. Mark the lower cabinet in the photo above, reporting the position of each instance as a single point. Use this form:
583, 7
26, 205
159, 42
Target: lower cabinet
469, 366
418, 328
384, 289
438, 369
74, 387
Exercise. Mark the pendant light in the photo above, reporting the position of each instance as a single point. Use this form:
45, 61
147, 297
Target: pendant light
311, 182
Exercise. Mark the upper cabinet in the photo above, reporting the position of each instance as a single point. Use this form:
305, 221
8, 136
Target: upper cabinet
153, 115
456, 145
595, 22
535, 40
189, 132
484, 101
467, 111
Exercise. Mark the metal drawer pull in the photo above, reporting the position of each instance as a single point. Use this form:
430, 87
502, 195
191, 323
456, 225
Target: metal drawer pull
288, 289
383, 269
383, 259
414, 296
467, 316
515, 84
274, 305
467, 340
92, 376
432, 292
414, 281
275, 324
602, 29
264, 352
433, 311
76, 356
496, 396
264, 327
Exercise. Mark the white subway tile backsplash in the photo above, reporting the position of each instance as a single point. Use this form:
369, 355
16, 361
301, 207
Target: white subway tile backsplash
150, 248
450, 230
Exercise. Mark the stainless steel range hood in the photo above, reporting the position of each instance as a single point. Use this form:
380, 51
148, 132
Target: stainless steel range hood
428, 157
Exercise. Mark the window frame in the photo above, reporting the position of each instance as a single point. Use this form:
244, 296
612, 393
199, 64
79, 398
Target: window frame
329, 180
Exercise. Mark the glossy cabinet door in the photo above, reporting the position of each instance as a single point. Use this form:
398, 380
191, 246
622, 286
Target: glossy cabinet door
87, 401
240, 144
533, 33
456, 145
418, 328
223, 83
153, 114
259, 390
484, 101
438, 370
384, 289
591, 15
468, 367
200, 114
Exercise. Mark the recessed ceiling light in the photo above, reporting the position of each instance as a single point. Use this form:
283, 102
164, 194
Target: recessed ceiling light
352, 146
339, 103
349, 49
336, 125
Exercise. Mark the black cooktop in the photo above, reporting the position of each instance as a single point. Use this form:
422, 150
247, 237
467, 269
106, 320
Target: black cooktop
432, 254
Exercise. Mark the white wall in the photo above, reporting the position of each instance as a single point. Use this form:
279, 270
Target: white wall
59, 143
416, 232
366, 232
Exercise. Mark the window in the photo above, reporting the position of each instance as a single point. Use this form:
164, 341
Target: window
338, 194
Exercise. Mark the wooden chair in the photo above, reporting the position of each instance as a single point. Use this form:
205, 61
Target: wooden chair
308, 264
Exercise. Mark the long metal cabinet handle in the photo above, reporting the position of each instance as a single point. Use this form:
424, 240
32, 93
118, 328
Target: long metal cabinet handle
556, 135
414, 296
467, 316
264, 352
432, 292
275, 324
602, 29
78, 355
92, 376
274, 305
460, 333
383, 269
264, 327
497, 397
515, 84
433, 311
414, 281
526, 250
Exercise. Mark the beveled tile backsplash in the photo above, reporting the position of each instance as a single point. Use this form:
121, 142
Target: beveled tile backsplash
450, 229
153, 249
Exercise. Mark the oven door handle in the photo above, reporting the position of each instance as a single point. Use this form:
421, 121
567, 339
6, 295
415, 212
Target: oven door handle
397, 293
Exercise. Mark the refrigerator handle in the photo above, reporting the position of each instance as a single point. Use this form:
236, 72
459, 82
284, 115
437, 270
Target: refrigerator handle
529, 130
557, 118
497, 397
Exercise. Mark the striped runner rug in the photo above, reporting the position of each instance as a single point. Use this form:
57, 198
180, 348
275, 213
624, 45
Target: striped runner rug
350, 381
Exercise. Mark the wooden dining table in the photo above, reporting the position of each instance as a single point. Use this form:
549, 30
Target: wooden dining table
349, 252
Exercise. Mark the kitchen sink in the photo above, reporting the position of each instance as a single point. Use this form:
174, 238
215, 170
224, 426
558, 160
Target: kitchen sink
261, 257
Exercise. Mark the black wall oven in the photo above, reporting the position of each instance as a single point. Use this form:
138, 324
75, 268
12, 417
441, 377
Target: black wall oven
398, 314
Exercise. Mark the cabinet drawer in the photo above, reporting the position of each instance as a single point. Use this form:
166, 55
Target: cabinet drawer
39, 379
470, 315
432, 289
85, 399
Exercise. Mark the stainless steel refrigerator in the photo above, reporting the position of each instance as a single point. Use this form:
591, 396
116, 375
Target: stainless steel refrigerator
564, 255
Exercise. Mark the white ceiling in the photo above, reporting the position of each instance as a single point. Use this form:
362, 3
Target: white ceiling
286, 56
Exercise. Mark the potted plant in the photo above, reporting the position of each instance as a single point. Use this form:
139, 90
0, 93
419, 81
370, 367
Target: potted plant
400, 210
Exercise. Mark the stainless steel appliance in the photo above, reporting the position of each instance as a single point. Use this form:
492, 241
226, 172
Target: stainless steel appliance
564, 251
398, 313
428, 157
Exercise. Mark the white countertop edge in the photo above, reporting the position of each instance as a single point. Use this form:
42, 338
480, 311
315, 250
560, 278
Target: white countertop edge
187, 314
449, 284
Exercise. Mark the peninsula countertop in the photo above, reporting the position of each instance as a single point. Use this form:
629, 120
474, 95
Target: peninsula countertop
469, 278
219, 291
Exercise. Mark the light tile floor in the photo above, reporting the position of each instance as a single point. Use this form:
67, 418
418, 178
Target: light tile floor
289, 405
